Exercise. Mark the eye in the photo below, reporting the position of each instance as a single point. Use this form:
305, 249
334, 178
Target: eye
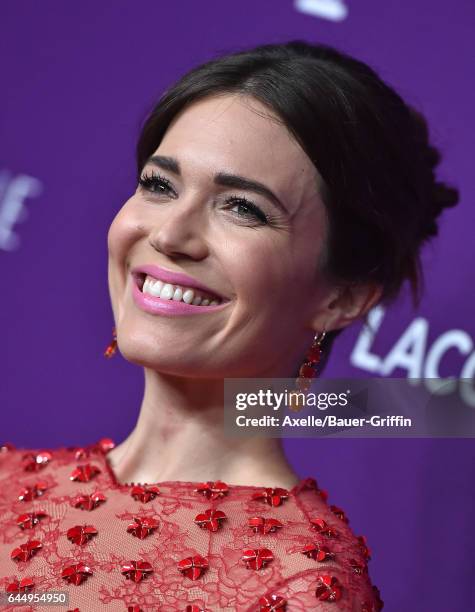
248, 209
155, 183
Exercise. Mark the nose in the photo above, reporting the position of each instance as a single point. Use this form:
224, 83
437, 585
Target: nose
180, 230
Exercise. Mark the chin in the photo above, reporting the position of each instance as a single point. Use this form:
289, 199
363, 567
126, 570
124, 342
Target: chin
143, 354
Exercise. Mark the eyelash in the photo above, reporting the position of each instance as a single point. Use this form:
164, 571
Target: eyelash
149, 182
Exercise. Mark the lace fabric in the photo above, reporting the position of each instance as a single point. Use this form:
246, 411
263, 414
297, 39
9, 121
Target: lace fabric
67, 524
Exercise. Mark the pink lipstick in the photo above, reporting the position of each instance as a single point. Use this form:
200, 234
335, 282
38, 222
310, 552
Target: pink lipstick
161, 306
174, 278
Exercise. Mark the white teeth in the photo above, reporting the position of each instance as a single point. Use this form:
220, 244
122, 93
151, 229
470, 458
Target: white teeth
188, 296
155, 288
167, 292
178, 294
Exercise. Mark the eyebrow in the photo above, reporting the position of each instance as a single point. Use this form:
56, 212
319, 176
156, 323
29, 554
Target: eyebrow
221, 178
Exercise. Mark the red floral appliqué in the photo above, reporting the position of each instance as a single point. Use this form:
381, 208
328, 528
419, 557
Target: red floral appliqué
260, 524
136, 570
144, 493
210, 519
84, 473
142, 527
33, 463
324, 528
81, 453
328, 588
193, 567
269, 603
273, 497
81, 534
76, 573
105, 445
21, 586
32, 492
358, 568
339, 513
317, 552
30, 519
88, 502
364, 547
213, 490
25, 551
257, 558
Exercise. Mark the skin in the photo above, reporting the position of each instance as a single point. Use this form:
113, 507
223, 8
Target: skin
278, 298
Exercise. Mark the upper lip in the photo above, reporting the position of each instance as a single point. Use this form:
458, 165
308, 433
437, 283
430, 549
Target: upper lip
174, 278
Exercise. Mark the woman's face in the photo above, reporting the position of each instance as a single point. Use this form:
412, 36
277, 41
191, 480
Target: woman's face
258, 252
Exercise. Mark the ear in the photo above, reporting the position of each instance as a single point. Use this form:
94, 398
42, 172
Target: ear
346, 304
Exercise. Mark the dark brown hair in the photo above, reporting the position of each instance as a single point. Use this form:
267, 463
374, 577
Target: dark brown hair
371, 148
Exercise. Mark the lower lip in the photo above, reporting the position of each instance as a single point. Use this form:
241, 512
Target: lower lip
156, 305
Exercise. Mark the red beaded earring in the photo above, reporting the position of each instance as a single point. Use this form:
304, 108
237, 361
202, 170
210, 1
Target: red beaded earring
312, 359
112, 347
307, 371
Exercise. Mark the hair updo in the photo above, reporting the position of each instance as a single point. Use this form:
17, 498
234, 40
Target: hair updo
371, 148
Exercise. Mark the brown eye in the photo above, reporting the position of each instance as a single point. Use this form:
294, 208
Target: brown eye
155, 183
248, 209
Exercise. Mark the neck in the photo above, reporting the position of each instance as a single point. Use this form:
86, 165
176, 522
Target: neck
179, 436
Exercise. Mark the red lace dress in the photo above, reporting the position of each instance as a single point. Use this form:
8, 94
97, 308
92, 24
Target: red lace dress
67, 525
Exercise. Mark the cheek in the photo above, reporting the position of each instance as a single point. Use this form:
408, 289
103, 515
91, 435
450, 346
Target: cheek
263, 270
274, 274
124, 233
124, 230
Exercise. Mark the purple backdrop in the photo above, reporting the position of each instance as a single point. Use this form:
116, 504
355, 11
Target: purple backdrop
77, 80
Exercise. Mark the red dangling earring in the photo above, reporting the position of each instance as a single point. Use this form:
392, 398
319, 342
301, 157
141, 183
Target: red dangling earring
307, 370
111, 348
312, 359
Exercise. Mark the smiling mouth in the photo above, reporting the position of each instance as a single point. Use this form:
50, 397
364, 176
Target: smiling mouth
178, 293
